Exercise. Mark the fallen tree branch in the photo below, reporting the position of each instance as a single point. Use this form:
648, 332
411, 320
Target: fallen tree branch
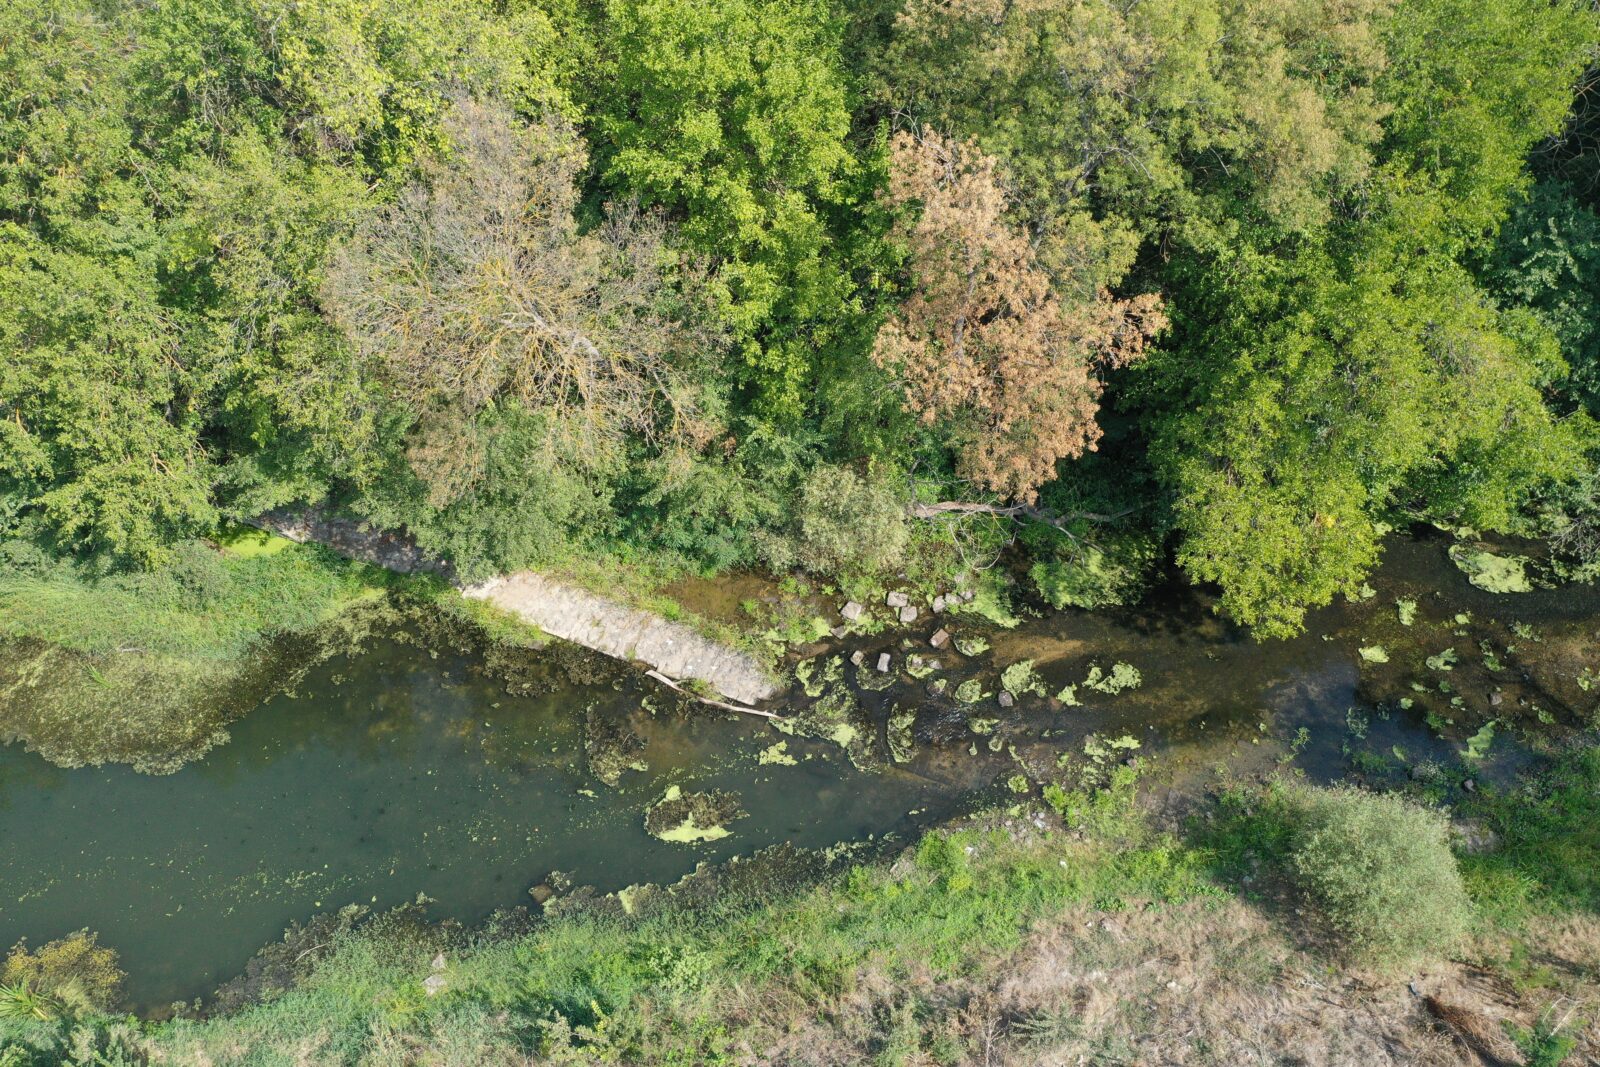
670, 684
1037, 514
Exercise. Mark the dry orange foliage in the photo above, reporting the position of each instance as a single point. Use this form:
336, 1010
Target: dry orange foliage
984, 345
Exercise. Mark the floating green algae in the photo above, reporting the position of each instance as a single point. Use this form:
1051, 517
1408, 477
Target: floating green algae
1122, 676
687, 818
1495, 574
1020, 678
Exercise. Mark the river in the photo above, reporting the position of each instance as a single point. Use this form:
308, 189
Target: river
404, 770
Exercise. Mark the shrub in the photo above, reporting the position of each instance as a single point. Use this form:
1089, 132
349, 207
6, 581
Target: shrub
843, 524
1379, 870
1074, 573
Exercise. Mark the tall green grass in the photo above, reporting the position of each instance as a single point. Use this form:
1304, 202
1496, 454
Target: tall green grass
145, 667
208, 603
661, 988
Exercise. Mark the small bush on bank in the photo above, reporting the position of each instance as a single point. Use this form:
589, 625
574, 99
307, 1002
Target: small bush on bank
843, 523
1380, 872
1375, 869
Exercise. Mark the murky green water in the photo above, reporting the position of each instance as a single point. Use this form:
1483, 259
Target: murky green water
399, 771
388, 775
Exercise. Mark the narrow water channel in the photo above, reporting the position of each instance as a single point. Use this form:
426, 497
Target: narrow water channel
402, 771
387, 775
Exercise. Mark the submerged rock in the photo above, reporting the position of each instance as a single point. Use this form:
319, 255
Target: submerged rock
611, 749
970, 691
972, 645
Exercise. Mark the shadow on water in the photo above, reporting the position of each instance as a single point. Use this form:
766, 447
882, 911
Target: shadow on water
410, 768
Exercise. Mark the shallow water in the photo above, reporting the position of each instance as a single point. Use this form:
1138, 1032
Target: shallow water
401, 771
388, 775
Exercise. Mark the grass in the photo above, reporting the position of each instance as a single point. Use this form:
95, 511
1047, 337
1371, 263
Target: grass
1004, 938
593, 986
211, 603
143, 667
1548, 855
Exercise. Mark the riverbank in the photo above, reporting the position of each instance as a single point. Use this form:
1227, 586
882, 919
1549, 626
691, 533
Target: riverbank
595, 620
1061, 929
149, 668
468, 773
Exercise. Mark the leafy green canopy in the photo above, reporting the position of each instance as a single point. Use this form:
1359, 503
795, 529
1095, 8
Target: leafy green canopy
1309, 394
733, 114
706, 193
171, 177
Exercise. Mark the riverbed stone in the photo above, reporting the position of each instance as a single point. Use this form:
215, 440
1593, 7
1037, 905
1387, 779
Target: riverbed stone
897, 599
938, 603
940, 638
883, 663
852, 611
908, 614
857, 657
1006, 699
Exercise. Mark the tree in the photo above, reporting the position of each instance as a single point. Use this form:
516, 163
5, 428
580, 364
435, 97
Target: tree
1548, 260
983, 345
476, 286
1196, 119
98, 444
732, 116
1312, 393
1326, 393
842, 523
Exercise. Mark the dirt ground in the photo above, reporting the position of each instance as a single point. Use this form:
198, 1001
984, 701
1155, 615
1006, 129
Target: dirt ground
1213, 982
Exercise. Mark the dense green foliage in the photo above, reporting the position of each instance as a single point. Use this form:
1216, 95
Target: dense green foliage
703, 281
1381, 872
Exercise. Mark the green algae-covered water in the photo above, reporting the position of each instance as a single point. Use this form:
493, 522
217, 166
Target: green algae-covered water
403, 770
387, 775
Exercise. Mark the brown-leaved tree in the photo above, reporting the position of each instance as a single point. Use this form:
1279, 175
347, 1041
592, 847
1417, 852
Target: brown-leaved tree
983, 346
